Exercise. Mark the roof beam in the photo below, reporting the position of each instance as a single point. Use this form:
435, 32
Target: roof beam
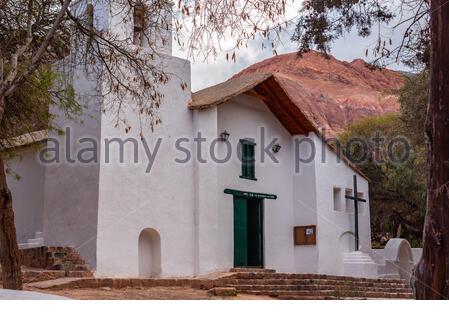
254, 94
280, 105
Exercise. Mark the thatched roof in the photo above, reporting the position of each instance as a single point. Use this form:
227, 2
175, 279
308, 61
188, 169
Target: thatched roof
225, 91
266, 86
274, 90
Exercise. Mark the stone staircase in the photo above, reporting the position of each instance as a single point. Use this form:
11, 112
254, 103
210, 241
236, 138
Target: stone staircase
50, 263
359, 264
54, 262
315, 287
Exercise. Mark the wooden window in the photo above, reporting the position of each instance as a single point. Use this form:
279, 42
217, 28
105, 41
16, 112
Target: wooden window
139, 24
248, 159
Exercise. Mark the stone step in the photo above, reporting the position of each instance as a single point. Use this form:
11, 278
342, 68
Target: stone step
259, 275
356, 254
80, 267
53, 258
31, 243
314, 298
30, 276
358, 260
36, 241
389, 276
252, 270
329, 293
315, 282
223, 292
41, 275
314, 286
249, 287
79, 274
25, 246
288, 297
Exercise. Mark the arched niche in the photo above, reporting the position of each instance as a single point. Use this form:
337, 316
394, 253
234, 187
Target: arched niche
347, 241
149, 253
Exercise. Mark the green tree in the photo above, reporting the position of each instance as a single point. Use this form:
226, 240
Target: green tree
424, 42
398, 177
414, 97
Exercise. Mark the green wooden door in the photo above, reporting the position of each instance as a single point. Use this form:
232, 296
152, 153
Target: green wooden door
255, 233
240, 232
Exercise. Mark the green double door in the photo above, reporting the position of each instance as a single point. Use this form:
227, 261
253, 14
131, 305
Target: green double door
248, 232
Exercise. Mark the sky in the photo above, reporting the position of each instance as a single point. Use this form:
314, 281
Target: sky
216, 70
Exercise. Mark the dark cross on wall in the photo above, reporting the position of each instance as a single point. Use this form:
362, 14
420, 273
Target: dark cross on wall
356, 200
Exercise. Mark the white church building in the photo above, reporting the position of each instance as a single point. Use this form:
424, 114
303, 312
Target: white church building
239, 177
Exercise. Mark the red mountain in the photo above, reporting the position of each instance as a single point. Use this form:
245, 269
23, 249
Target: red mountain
335, 93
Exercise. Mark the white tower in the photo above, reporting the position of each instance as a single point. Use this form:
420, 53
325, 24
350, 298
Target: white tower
102, 207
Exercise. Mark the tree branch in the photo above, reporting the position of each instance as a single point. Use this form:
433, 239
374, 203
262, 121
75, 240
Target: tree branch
39, 54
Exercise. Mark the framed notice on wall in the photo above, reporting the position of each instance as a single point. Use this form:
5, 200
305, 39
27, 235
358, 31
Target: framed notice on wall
304, 235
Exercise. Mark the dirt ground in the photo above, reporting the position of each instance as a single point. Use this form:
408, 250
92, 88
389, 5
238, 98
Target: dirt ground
156, 293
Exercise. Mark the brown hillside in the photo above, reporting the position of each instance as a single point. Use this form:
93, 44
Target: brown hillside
335, 93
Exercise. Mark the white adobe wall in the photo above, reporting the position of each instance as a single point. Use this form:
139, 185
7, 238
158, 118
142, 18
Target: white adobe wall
333, 226
75, 209
71, 189
131, 200
27, 191
118, 19
304, 198
122, 22
305, 205
242, 117
206, 207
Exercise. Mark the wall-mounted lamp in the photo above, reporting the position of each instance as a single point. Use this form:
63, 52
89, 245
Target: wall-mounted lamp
224, 136
276, 148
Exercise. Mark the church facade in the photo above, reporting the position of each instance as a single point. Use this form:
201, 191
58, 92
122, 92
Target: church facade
236, 175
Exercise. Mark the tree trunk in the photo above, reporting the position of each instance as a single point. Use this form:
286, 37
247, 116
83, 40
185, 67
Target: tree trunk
432, 273
9, 251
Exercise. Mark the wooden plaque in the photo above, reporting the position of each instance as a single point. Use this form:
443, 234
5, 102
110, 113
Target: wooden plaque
305, 235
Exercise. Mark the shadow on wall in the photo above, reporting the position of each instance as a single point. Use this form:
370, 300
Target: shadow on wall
149, 253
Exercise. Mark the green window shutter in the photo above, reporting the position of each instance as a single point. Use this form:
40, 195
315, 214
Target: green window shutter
251, 162
240, 232
248, 159
244, 159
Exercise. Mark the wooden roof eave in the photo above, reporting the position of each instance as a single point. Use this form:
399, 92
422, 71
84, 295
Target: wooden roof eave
280, 111
206, 98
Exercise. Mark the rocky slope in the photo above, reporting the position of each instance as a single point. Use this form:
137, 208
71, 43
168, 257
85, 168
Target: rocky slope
335, 93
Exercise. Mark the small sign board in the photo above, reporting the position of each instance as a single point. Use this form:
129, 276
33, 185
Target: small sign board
304, 235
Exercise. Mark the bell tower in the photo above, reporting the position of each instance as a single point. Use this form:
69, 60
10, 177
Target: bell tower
143, 23
91, 217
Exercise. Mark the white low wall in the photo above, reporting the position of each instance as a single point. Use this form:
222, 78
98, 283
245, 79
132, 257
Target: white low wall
27, 190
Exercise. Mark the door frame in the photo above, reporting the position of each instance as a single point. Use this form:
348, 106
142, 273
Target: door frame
246, 195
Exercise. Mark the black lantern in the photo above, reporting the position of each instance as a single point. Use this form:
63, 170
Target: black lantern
224, 136
276, 148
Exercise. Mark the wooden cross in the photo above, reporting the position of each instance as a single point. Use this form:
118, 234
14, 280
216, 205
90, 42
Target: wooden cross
356, 200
